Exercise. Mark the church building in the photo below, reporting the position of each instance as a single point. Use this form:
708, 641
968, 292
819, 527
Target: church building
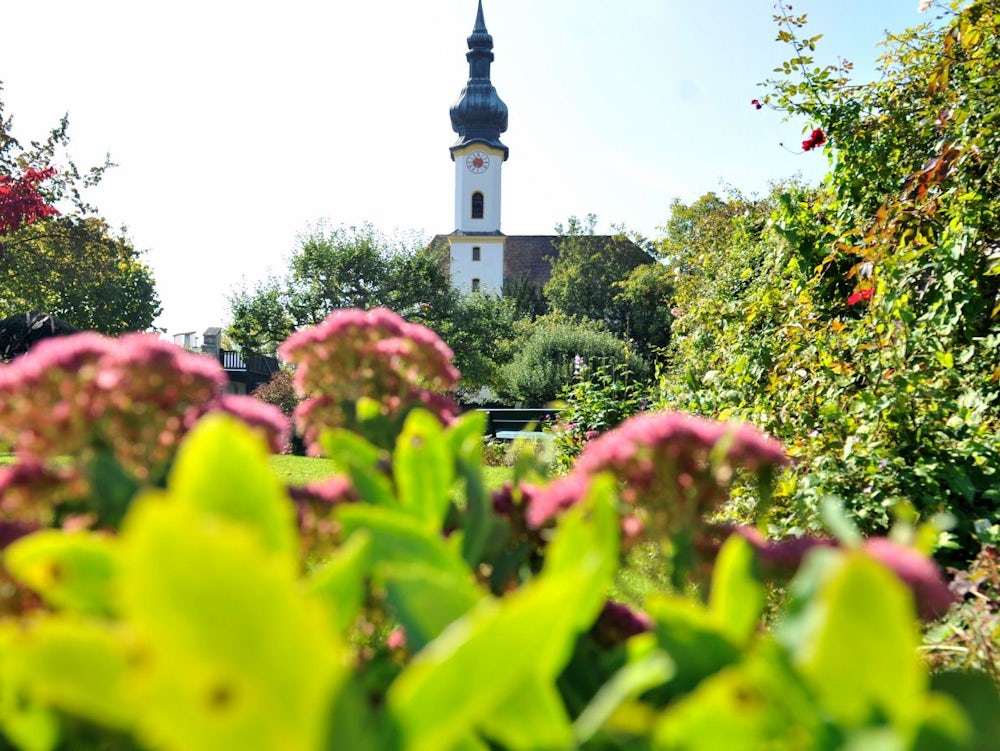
482, 258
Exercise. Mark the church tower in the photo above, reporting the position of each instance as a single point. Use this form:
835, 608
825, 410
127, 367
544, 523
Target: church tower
479, 117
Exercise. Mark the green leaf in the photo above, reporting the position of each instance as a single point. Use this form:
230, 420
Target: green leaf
835, 519
757, 704
945, 727
588, 535
466, 438
341, 581
979, 697
223, 468
23, 720
737, 593
465, 675
423, 468
650, 670
858, 644
427, 599
532, 717
693, 638
77, 666
233, 653
362, 462
71, 571
114, 488
400, 539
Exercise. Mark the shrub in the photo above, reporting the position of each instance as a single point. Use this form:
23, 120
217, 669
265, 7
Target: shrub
551, 353
597, 400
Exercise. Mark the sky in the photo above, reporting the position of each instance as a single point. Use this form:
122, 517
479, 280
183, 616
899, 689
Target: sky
239, 125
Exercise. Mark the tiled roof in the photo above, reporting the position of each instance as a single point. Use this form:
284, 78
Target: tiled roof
530, 256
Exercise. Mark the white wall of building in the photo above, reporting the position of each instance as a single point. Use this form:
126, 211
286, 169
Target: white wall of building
488, 269
487, 182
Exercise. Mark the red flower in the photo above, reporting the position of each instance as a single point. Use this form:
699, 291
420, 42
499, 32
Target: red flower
860, 296
756, 103
20, 201
816, 138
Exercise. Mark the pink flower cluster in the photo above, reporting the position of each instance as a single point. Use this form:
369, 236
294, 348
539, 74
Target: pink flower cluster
356, 354
134, 397
918, 572
675, 465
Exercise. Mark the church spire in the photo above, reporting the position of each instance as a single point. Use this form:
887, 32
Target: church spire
479, 115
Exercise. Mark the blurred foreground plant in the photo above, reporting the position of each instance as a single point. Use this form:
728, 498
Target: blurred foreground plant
398, 606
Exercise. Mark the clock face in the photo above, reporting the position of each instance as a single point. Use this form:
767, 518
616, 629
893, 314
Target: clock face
477, 162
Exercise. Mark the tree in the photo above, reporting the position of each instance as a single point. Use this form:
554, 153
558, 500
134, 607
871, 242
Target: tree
56, 254
646, 295
528, 298
865, 332
585, 270
261, 320
360, 267
552, 350
78, 270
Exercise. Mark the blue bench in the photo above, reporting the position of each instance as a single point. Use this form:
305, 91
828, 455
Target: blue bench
510, 423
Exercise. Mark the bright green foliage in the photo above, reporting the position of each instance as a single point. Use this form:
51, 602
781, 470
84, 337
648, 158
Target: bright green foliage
737, 599
545, 359
598, 399
586, 269
210, 642
646, 295
197, 625
72, 266
80, 271
69, 571
860, 323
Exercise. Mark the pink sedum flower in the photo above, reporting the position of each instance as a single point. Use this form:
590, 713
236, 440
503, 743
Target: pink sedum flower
678, 466
918, 572
356, 354
134, 396
266, 419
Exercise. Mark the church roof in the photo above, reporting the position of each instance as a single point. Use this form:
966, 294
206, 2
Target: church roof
479, 115
529, 257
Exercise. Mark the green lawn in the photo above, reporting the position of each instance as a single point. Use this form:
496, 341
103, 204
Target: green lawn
298, 470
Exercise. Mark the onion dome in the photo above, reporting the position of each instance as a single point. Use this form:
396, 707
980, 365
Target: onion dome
479, 115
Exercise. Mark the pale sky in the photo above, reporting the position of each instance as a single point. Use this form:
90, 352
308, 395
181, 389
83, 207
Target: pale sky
237, 125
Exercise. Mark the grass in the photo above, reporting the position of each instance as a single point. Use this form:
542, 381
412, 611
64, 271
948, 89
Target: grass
298, 470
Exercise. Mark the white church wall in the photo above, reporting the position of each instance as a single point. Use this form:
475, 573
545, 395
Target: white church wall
468, 182
488, 269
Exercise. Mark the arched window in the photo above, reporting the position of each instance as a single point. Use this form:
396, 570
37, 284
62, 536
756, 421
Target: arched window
475, 285
477, 205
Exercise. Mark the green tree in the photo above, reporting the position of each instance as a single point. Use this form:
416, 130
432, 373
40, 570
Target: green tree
646, 295
360, 267
866, 334
344, 267
78, 270
528, 297
260, 319
69, 263
585, 270
551, 351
